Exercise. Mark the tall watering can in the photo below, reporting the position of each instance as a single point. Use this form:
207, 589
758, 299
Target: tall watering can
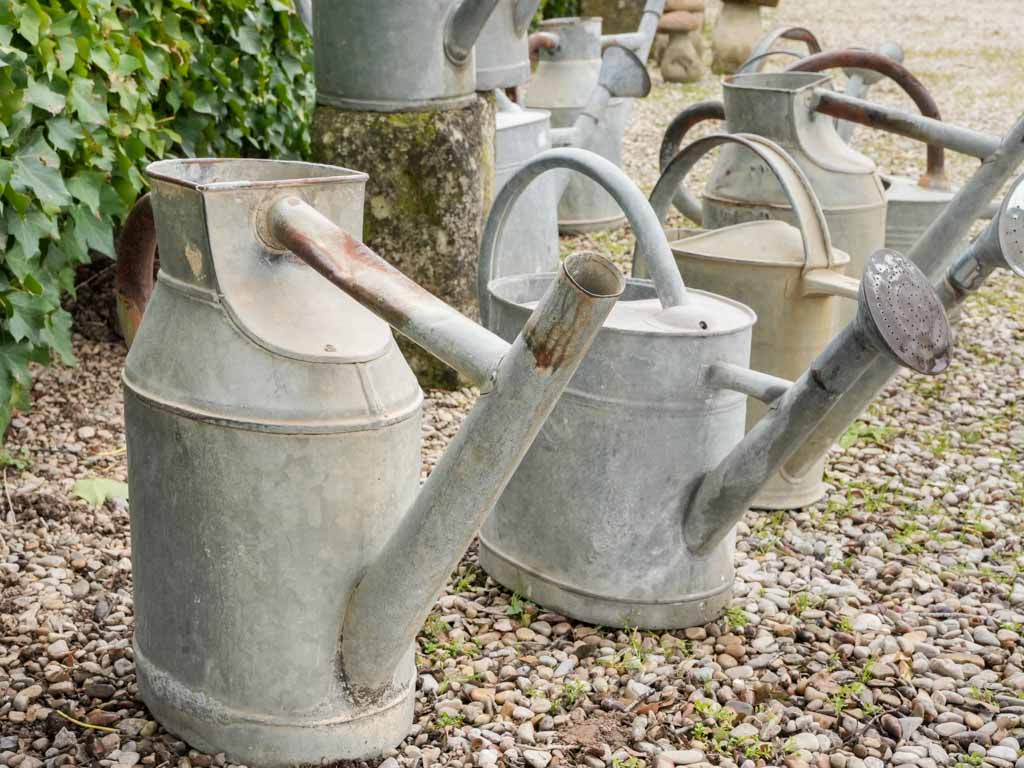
593, 524
285, 555
568, 69
790, 276
530, 242
502, 50
397, 56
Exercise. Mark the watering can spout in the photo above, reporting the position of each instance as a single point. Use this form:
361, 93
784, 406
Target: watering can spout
465, 23
900, 317
522, 14
521, 383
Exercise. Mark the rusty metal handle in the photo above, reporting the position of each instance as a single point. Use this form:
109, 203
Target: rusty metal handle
935, 175
811, 219
671, 143
133, 278
763, 49
545, 40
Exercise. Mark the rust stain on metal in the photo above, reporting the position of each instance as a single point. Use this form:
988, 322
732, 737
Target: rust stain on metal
136, 257
935, 176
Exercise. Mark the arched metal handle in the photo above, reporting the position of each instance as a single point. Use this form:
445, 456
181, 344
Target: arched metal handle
681, 124
935, 175
811, 219
749, 65
133, 278
764, 46
650, 237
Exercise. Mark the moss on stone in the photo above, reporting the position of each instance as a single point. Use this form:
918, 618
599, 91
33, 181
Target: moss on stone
431, 184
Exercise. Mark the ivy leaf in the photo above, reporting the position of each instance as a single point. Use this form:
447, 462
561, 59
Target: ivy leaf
85, 186
46, 183
64, 134
90, 107
99, 490
41, 95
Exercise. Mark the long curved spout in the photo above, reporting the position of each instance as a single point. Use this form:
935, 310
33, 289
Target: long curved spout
932, 253
640, 42
522, 14
464, 26
914, 333
396, 593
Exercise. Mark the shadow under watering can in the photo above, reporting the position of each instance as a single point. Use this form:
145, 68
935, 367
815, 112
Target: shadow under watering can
284, 552
790, 276
622, 512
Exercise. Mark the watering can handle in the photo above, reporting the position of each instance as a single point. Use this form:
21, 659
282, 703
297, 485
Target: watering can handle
817, 242
763, 49
133, 278
935, 175
650, 237
681, 124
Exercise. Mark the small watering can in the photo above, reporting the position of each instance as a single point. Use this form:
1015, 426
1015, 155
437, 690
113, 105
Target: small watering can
1001, 245
284, 553
397, 56
568, 69
789, 276
596, 522
530, 243
502, 50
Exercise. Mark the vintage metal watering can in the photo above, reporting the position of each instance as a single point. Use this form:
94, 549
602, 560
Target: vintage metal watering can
284, 553
502, 50
790, 276
934, 254
530, 243
397, 56
567, 71
622, 511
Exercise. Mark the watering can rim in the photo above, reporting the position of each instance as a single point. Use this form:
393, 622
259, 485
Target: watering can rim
565, 21
891, 181
749, 81
160, 170
749, 316
841, 258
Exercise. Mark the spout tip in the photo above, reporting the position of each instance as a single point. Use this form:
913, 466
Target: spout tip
594, 275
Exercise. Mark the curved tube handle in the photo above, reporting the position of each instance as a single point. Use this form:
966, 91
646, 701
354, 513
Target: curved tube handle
650, 236
754, 63
935, 175
133, 278
671, 143
763, 49
811, 219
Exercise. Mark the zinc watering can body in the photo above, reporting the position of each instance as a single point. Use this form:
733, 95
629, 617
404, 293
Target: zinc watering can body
791, 277
502, 50
285, 555
568, 70
622, 511
397, 56
530, 241
585, 526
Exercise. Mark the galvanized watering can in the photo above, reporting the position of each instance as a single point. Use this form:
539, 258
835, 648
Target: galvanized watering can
791, 277
502, 50
397, 56
567, 71
1001, 245
284, 553
530, 243
622, 511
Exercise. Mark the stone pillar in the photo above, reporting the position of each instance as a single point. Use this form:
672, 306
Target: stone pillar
431, 184
618, 15
682, 58
736, 33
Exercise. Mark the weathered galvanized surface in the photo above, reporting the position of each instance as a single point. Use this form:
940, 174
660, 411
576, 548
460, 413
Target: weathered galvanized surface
502, 51
273, 442
396, 56
431, 184
789, 276
933, 254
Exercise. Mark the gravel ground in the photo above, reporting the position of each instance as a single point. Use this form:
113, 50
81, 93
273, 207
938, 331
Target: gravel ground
881, 626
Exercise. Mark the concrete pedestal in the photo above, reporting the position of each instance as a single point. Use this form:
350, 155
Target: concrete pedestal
431, 185
736, 33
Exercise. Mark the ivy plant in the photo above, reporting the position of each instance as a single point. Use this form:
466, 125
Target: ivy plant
91, 91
